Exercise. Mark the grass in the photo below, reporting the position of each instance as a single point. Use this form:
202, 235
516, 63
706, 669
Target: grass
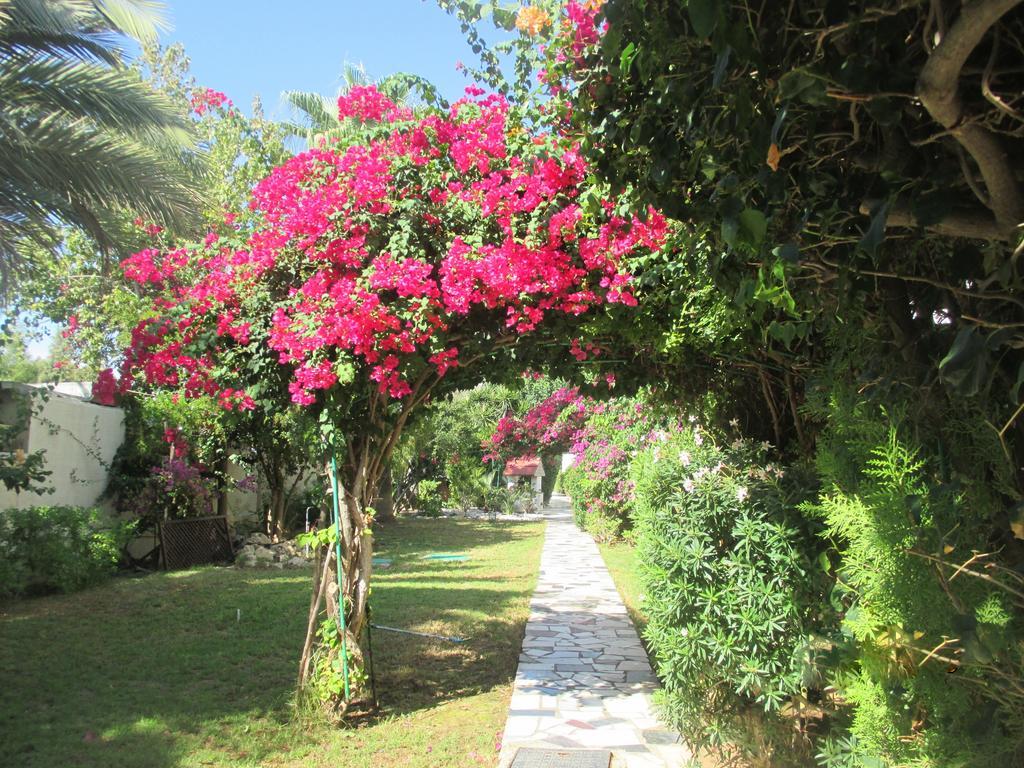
622, 563
159, 672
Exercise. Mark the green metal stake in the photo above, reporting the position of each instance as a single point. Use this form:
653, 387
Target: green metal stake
341, 578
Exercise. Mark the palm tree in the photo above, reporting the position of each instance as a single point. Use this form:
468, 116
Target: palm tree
318, 114
82, 138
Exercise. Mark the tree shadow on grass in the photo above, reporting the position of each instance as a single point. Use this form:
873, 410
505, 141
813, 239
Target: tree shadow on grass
149, 671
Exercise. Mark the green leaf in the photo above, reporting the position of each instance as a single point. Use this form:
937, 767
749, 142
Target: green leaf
703, 16
824, 563
798, 84
780, 118
876, 230
789, 252
965, 367
721, 67
1015, 392
753, 226
730, 230
626, 59
784, 332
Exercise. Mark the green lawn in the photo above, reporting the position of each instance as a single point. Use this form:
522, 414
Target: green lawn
624, 567
156, 672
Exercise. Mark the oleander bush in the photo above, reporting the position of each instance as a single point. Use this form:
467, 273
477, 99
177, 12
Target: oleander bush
57, 549
733, 595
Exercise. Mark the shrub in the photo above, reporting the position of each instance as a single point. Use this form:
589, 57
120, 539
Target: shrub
428, 498
598, 482
929, 659
728, 583
467, 484
57, 549
509, 501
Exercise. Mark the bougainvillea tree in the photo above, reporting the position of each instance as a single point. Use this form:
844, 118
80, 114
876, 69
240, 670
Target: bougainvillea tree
549, 425
545, 430
420, 258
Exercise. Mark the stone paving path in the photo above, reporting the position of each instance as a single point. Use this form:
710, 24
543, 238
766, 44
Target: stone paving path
584, 681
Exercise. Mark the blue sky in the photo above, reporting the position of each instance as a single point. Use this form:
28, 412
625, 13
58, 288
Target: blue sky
245, 47
249, 47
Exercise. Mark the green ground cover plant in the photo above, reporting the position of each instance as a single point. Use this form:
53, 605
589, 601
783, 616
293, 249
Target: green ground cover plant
159, 672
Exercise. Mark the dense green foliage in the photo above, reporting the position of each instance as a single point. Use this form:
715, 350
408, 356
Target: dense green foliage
927, 646
845, 285
57, 549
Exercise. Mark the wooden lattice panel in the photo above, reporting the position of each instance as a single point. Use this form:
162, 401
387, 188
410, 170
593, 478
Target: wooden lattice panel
195, 541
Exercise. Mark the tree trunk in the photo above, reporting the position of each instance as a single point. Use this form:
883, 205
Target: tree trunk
276, 512
384, 505
356, 488
275, 516
222, 487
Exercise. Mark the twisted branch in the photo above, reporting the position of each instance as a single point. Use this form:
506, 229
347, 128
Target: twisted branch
938, 89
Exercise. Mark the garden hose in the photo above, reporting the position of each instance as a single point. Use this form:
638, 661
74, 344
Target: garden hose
341, 578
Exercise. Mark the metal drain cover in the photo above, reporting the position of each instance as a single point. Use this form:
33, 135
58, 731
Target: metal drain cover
529, 757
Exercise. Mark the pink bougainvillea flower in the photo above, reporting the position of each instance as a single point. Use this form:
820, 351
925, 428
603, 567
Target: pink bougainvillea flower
386, 256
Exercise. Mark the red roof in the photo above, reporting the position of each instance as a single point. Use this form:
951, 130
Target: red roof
525, 466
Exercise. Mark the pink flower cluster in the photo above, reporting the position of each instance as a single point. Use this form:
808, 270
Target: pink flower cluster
389, 254
175, 438
205, 99
581, 22
551, 425
582, 350
104, 388
366, 104
71, 329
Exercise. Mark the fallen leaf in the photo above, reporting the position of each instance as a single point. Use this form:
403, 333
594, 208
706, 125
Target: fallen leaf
773, 156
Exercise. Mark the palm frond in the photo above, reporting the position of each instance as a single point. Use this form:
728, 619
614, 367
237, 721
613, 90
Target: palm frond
400, 86
141, 20
113, 98
319, 111
82, 139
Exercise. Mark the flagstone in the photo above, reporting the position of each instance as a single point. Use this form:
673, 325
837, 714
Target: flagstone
584, 681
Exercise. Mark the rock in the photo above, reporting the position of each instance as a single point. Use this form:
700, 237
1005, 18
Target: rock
263, 555
296, 562
258, 538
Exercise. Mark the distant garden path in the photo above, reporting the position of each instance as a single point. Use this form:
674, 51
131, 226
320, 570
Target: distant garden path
584, 681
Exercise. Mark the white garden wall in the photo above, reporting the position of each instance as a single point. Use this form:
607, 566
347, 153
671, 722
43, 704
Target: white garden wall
80, 439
